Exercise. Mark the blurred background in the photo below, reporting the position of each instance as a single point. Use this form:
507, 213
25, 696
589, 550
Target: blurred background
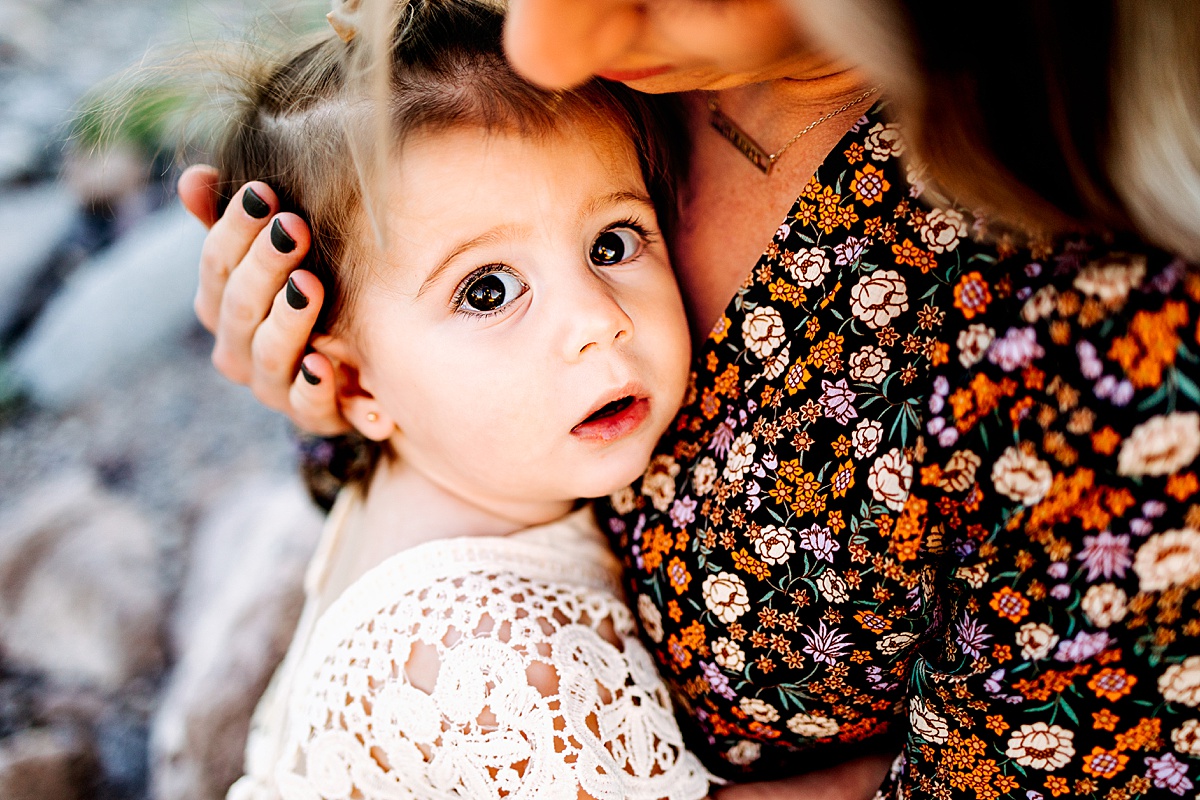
153, 532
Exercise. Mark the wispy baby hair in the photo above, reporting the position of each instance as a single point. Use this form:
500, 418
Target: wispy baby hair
311, 118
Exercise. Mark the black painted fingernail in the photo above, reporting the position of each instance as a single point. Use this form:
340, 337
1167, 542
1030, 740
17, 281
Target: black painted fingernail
295, 297
280, 239
308, 375
255, 206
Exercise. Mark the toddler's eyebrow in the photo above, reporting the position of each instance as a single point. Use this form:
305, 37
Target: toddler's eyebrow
490, 236
613, 199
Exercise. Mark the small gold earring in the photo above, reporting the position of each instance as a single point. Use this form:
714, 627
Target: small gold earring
372, 416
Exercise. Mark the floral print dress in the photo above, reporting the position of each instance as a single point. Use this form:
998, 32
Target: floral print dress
1057, 512
756, 546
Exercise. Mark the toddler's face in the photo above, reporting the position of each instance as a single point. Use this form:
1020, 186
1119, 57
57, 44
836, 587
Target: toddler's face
526, 335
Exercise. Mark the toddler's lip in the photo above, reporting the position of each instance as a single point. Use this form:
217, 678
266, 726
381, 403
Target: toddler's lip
617, 416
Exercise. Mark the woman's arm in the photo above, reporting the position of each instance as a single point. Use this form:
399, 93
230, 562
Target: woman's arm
854, 780
257, 303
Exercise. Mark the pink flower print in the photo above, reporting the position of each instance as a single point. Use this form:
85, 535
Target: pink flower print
825, 645
1017, 349
1168, 773
850, 250
1106, 554
683, 511
838, 401
1082, 647
820, 541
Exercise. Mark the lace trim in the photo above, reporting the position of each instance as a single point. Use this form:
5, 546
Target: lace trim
482, 683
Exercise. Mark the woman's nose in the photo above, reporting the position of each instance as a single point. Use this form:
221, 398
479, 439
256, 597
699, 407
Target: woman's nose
595, 321
562, 43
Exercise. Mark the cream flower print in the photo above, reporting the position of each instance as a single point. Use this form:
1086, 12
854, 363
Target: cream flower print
1112, 279
1036, 640
1168, 559
1021, 477
623, 500
890, 478
774, 545
893, 643
658, 483
879, 297
1041, 305
807, 266
813, 727
1181, 682
725, 596
1104, 604
743, 753
973, 342
1041, 746
741, 457
866, 438
884, 141
926, 723
728, 654
760, 710
704, 476
959, 472
943, 229
1161, 445
763, 331
651, 618
1186, 737
832, 588
774, 366
871, 364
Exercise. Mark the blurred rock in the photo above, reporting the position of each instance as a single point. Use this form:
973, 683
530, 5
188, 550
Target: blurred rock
107, 177
41, 764
236, 614
124, 309
81, 600
33, 222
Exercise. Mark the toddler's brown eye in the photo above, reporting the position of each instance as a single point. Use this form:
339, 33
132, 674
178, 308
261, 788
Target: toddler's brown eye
614, 246
492, 291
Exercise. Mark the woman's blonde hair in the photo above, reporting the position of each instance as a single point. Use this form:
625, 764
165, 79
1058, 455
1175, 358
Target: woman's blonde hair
1050, 115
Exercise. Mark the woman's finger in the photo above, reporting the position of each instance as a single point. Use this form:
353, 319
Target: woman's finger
250, 291
313, 398
197, 192
227, 244
282, 339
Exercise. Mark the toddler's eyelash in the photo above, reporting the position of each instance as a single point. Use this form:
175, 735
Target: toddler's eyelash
634, 224
460, 292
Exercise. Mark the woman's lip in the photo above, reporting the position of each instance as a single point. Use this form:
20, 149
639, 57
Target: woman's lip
616, 425
624, 75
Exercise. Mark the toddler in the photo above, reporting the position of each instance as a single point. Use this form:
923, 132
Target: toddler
512, 340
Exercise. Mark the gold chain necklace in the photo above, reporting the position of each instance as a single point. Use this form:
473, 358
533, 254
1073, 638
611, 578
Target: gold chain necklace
752, 150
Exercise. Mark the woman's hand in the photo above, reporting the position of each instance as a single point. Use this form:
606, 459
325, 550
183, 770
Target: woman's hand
854, 780
258, 305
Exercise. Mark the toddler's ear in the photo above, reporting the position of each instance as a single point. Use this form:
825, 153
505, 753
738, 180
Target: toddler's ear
360, 408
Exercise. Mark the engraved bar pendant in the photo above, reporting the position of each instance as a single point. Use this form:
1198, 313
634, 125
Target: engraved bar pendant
739, 139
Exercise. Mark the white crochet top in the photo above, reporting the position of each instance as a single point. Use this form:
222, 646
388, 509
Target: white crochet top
422, 680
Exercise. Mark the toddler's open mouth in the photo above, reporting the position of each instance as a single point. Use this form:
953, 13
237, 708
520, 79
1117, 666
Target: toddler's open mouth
614, 419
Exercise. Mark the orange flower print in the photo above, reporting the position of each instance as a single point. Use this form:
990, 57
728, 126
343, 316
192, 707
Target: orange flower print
873, 622
908, 253
869, 185
1104, 763
972, 295
1009, 604
1112, 684
1104, 720
1057, 785
679, 575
